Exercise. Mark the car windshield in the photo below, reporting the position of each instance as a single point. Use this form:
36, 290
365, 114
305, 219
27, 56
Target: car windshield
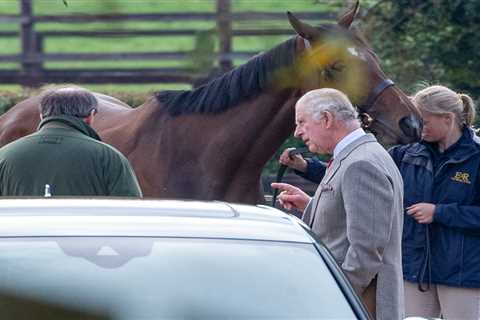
172, 278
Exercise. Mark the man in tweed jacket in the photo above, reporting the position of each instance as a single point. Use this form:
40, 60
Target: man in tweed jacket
357, 210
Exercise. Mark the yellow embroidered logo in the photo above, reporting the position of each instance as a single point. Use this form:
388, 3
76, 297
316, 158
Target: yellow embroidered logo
462, 177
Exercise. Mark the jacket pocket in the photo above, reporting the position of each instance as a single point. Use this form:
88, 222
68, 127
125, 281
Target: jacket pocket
412, 259
413, 232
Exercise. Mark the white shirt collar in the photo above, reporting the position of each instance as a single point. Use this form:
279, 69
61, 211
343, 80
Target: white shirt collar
349, 138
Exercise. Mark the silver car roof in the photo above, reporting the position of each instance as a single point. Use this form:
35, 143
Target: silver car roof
145, 218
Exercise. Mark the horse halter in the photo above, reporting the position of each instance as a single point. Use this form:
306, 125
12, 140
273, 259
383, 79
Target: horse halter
365, 118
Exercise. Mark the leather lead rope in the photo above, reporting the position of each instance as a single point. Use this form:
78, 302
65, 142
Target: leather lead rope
283, 168
426, 265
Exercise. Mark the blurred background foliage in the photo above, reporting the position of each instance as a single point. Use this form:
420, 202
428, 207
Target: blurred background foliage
433, 41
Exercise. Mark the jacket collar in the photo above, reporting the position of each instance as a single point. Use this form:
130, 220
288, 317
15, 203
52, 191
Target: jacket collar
467, 146
347, 140
367, 138
72, 122
354, 145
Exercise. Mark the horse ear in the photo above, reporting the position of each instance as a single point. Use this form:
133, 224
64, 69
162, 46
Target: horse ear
347, 19
303, 29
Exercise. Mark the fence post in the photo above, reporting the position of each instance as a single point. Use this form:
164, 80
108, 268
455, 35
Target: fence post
224, 29
30, 45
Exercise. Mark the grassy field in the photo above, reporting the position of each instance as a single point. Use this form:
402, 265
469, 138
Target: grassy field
144, 44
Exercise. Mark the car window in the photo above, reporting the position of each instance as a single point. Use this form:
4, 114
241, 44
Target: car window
171, 278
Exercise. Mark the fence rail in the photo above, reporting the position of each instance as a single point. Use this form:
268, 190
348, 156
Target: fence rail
32, 58
166, 17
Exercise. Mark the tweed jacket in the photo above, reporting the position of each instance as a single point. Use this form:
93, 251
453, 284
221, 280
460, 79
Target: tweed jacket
357, 212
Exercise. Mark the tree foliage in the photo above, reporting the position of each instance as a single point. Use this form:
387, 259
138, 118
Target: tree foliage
434, 41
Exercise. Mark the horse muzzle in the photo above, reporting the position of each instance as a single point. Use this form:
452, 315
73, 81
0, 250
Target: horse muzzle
411, 127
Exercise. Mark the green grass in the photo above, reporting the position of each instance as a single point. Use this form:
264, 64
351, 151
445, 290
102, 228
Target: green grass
144, 44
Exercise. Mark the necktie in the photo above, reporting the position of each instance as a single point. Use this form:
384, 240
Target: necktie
329, 162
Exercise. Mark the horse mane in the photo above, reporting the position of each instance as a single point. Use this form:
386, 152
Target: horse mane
233, 87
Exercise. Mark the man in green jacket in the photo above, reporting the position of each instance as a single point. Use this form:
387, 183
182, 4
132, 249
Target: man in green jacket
65, 157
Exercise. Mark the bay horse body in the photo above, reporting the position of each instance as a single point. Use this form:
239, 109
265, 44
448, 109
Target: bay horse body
212, 143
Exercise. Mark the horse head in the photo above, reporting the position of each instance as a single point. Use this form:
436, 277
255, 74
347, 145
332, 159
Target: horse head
337, 56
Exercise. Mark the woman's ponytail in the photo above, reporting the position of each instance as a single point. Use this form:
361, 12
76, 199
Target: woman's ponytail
468, 109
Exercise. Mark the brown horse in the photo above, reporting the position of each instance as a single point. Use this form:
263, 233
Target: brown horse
212, 142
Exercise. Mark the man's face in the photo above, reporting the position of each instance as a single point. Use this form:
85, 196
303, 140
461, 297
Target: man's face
313, 132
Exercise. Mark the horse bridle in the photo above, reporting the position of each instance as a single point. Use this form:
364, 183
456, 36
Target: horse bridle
365, 118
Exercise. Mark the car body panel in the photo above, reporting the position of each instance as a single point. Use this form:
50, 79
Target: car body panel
114, 234
166, 218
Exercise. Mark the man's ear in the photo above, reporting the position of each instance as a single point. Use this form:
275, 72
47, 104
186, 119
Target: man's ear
329, 119
89, 120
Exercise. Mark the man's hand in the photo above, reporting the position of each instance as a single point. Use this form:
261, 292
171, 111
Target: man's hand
291, 197
422, 212
296, 161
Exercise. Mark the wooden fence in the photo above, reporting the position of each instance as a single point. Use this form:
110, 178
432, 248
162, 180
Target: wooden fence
32, 58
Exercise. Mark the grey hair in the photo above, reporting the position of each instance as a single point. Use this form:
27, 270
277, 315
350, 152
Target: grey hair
439, 99
317, 101
70, 101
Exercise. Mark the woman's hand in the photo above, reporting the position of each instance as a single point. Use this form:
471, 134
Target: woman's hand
296, 161
422, 212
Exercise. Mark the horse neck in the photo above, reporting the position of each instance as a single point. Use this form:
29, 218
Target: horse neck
259, 128
247, 134
264, 123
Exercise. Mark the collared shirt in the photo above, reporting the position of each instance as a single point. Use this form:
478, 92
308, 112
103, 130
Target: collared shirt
349, 138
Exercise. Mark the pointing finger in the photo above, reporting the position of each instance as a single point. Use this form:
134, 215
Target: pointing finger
283, 186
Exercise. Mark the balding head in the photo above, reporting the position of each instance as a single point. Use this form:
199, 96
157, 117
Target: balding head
70, 101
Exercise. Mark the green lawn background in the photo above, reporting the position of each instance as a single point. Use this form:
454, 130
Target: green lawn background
145, 44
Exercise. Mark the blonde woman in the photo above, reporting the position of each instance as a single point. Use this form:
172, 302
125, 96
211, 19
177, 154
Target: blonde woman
441, 235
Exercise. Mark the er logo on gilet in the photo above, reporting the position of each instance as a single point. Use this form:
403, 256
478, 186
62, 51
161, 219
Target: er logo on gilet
462, 177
